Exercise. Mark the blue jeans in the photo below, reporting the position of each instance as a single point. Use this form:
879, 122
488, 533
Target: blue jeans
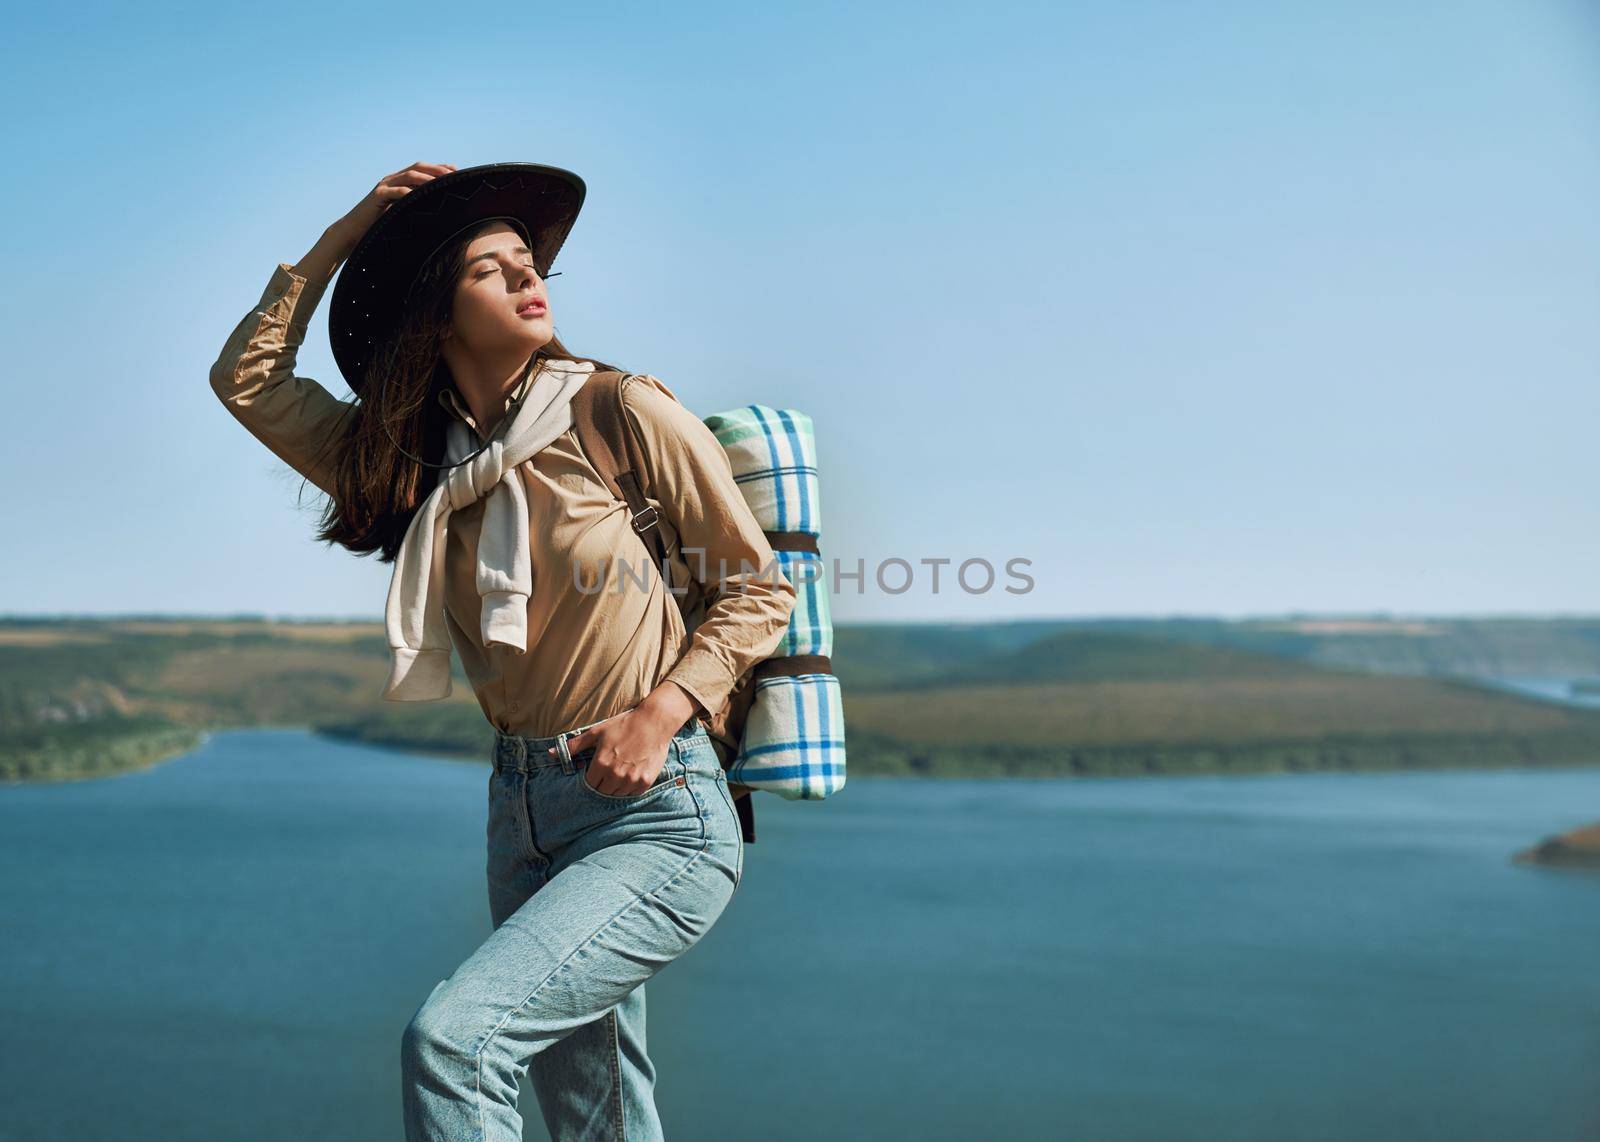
590, 895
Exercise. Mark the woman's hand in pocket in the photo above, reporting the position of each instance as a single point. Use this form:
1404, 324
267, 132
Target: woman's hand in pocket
629, 752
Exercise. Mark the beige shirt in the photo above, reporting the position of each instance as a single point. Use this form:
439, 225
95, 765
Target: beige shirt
591, 653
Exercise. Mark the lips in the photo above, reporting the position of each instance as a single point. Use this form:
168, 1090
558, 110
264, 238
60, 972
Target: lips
532, 305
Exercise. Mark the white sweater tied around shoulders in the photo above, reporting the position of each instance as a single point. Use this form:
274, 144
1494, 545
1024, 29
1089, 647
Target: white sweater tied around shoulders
419, 641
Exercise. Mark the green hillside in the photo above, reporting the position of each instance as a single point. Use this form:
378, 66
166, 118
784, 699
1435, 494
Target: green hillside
886, 654
82, 697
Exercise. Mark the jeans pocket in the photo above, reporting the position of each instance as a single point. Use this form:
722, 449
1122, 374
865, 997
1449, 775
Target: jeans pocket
670, 777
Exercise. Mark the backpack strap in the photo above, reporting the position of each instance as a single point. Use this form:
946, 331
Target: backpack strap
793, 665
614, 449
792, 541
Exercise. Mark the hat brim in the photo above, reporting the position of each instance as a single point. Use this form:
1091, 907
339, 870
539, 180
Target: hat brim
375, 281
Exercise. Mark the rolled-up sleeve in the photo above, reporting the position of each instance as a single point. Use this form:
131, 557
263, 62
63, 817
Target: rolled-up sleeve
295, 417
749, 599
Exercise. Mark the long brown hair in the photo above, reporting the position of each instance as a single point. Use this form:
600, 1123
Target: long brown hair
378, 489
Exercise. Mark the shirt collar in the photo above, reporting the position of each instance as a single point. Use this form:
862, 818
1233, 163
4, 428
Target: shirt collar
456, 407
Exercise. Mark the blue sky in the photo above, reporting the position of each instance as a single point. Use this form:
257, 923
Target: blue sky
1221, 309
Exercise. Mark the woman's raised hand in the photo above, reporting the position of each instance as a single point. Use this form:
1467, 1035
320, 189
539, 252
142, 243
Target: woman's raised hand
390, 188
340, 239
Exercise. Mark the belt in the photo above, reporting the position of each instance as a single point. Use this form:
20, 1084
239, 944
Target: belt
514, 751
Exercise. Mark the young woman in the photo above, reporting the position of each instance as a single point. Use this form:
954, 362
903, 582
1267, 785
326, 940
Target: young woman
613, 842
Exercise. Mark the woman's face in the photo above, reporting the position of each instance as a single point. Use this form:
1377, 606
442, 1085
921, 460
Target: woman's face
500, 306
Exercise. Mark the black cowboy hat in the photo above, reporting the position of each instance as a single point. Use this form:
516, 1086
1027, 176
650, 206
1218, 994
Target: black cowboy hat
375, 281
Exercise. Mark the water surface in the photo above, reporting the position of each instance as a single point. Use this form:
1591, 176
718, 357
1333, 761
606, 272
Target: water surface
228, 946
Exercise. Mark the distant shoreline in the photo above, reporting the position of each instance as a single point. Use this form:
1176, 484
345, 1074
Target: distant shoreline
84, 697
869, 758
1575, 848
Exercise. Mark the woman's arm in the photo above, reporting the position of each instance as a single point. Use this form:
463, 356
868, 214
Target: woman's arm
298, 419
749, 598
254, 377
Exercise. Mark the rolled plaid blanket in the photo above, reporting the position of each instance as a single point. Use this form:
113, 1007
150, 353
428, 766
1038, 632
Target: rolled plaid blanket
793, 739
774, 458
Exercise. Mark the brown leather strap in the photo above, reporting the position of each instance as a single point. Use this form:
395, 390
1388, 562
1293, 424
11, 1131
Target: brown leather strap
601, 425
645, 518
793, 665
746, 807
592, 415
792, 541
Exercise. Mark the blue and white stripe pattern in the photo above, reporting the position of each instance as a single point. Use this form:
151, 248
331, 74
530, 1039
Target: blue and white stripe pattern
811, 625
774, 458
793, 739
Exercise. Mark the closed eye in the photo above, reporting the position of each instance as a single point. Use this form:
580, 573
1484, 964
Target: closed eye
487, 272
